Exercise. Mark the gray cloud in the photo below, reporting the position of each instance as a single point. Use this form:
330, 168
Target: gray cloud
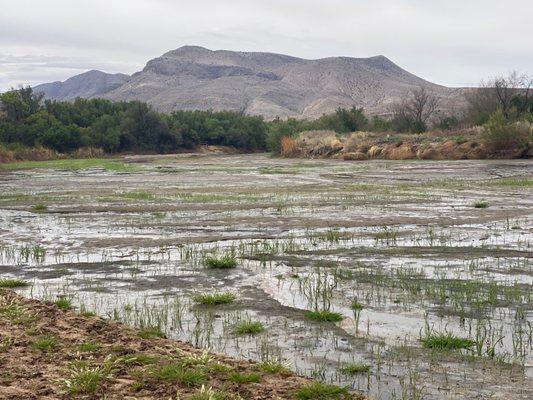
455, 42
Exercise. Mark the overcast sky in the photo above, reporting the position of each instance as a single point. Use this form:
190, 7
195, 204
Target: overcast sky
452, 42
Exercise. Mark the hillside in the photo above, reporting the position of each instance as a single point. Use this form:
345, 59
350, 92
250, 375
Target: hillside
89, 84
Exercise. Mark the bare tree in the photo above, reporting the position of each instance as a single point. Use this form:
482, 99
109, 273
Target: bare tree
415, 112
498, 93
422, 105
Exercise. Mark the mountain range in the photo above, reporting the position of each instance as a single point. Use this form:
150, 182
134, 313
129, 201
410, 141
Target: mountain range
267, 84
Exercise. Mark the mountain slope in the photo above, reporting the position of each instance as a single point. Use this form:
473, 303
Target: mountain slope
272, 85
89, 84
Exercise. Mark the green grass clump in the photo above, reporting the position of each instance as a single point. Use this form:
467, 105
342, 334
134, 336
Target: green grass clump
83, 379
45, 343
213, 299
324, 316
274, 367
446, 341
321, 391
89, 347
12, 283
151, 332
355, 368
249, 328
39, 207
239, 377
64, 303
481, 204
176, 372
17, 313
88, 314
224, 262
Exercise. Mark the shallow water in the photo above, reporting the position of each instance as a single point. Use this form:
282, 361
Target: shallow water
401, 238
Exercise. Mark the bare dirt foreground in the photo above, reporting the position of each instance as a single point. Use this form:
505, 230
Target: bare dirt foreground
50, 353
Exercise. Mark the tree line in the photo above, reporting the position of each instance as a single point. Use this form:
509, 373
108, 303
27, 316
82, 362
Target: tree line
26, 119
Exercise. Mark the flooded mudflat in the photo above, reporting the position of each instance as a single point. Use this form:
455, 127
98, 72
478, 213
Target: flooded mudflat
352, 273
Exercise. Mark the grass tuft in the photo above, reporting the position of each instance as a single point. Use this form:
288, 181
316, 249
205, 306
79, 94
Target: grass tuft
355, 368
249, 328
320, 391
274, 367
151, 332
83, 379
225, 262
324, 316
89, 347
208, 394
63, 302
39, 207
239, 377
45, 343
12, 283
213, 299
481, 204
176, 372
446, 342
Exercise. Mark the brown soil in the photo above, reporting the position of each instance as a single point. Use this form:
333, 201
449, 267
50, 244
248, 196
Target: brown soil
27, 372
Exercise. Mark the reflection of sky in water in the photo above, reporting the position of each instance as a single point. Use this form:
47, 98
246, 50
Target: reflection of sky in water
153, 284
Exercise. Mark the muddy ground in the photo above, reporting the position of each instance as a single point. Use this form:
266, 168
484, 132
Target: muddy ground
422, 247
129, 363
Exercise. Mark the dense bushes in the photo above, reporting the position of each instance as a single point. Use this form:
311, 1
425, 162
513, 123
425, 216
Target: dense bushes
26, 121
120, 127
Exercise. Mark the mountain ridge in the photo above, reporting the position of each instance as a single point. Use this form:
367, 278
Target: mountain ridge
262, 83
91, 83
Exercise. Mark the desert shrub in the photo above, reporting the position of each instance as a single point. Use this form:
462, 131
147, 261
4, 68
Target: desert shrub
379, 124
503, 136
352, 142
448, 123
